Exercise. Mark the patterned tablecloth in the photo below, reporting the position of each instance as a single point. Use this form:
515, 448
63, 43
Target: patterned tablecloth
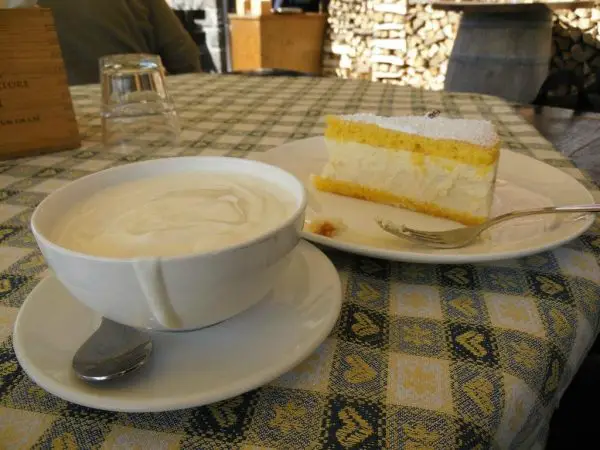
423, 356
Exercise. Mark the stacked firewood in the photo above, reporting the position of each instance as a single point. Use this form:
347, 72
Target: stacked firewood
576, 45
398, 41
389, 40
411, 43
347, 48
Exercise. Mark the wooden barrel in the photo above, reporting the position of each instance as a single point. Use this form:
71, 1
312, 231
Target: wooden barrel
505, 53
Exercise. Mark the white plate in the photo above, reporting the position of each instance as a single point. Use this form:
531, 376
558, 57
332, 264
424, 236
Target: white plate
523, 182
185, 369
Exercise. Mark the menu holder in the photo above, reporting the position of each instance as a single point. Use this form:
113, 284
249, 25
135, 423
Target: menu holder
36, 110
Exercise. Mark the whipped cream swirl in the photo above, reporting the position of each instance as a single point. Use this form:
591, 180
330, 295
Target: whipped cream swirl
173, 215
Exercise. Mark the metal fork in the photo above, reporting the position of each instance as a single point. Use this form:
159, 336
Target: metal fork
460, 237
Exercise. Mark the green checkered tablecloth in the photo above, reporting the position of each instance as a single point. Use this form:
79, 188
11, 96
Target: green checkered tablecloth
423, 356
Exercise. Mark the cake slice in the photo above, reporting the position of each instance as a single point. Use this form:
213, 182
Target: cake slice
438, 166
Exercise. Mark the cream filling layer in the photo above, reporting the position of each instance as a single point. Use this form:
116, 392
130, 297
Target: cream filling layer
443, 182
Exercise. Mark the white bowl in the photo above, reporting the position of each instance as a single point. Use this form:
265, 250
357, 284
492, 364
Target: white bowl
174, 293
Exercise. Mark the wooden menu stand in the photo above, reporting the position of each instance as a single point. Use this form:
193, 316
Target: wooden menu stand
36, 111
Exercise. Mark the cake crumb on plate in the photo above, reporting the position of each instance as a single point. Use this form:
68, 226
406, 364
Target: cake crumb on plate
328, 227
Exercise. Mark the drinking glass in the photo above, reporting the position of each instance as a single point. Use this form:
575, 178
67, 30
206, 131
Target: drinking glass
136, 107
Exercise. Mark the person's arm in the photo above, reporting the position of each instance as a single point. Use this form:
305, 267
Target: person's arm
177, 49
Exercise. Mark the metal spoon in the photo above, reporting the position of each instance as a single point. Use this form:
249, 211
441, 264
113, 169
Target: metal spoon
112, 351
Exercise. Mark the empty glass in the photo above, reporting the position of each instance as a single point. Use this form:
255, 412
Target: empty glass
136, 108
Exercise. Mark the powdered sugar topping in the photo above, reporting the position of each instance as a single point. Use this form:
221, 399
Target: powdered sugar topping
478, 132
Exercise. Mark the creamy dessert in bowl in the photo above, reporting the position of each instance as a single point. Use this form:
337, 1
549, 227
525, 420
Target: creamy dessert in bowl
174, 243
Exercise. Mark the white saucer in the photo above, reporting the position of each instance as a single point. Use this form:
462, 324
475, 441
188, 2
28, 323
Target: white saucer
523, 183
186, 369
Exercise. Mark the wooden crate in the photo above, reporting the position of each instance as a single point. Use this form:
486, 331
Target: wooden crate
36, 111
278, 41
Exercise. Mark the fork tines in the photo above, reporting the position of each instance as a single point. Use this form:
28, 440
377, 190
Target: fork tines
407, 233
